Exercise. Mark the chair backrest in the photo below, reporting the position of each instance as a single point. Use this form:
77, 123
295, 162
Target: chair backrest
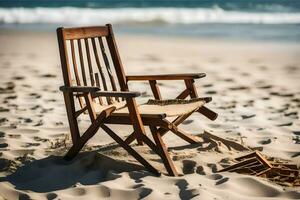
88, 57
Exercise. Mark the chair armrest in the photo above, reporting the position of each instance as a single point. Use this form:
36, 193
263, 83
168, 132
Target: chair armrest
78, 88
123, 94
165, 77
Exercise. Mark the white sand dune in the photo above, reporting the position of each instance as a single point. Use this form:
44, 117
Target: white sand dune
255, 89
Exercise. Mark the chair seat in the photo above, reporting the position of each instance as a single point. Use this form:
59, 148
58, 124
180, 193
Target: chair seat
168, 108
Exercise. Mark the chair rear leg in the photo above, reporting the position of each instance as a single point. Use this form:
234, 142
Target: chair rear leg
130, 150
203, 110
169, 165
208, 113
187, 137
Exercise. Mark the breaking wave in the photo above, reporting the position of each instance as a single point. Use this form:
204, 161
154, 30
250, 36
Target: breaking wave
86, 16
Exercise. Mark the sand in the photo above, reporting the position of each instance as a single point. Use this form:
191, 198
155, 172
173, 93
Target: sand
255, 88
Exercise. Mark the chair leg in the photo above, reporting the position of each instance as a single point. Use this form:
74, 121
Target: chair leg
130, 150
90, 132
189, 138
208, 113
74, 150
169, 165
130, 138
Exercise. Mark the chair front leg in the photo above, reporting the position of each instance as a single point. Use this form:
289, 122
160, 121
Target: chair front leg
136, 120
70, 107
90, 132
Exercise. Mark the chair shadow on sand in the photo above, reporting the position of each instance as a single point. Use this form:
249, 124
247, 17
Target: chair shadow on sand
53, 173
89, 168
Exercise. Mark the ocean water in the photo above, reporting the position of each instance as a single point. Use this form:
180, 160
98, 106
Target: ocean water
234, 19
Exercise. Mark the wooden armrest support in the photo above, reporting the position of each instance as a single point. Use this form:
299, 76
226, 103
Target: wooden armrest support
123, 94
78, 88
165, 77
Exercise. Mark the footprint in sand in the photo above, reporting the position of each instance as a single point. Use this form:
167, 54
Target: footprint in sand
15, 136
264, 142
296, 139
189, 121
296, 154
291, 113
3, 145
265, 87
296, 132
48, 76
5, 164
200, 170
30, 144
18, 78
2, 109
35, 95
239, 88
248, 116
228, 80
206, 85
40, 123
285, 124
2, 120
2, 134
26, 120
188, 166
23, 196
223, 180
11, 97
51, 195
282, 94
215, 176
213, 167
211, 92
39, 139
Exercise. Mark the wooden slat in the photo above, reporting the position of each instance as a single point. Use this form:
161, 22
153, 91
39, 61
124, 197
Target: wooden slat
81, 62
106, 62
109, 101
99, 64
263, 160
112, 45
89, 61
85, 32
242, 163
75, 70
74, 62
98, 85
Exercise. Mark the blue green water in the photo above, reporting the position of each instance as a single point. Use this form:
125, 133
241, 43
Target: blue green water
235, 19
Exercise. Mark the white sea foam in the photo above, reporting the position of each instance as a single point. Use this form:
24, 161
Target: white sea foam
85, 16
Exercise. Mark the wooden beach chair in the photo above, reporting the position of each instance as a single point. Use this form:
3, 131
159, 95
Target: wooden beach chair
90, 62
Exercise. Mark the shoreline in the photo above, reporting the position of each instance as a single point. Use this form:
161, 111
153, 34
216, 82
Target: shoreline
254, 33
